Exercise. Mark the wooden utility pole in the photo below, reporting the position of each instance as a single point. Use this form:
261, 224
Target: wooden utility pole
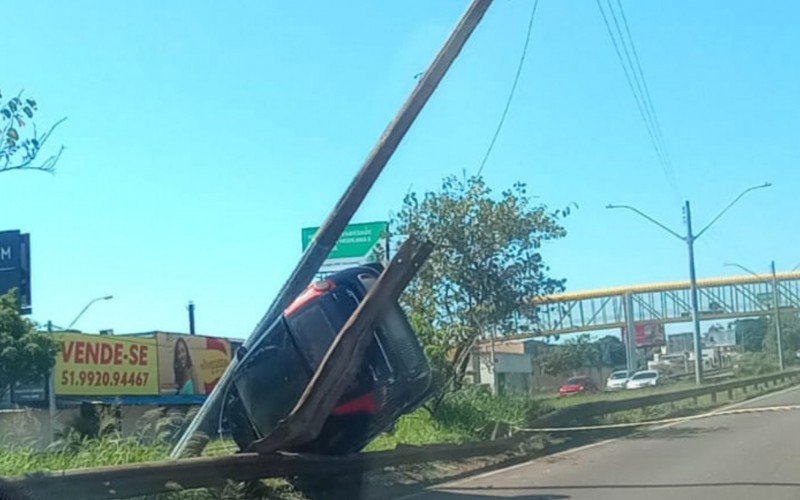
329, 233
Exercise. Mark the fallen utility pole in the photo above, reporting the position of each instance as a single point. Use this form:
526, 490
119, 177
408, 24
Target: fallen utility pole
134, 480
329, 233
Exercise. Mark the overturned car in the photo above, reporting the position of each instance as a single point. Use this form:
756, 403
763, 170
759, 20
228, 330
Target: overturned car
271, 375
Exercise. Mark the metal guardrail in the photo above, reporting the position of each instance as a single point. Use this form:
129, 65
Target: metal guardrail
584, 411
170, 475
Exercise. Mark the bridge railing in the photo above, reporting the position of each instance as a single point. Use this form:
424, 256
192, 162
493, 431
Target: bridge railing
720, 298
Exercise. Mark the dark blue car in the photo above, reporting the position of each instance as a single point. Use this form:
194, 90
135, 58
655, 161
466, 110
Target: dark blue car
394, 377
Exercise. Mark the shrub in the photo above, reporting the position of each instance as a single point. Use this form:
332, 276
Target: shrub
755, 363
475, 410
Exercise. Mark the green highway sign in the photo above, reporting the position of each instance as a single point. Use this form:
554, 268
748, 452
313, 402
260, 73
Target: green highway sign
359, 243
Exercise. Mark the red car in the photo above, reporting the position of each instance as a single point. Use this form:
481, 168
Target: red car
577, 385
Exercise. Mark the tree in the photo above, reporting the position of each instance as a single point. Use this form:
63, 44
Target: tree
485, 270
612, 351
790, 335
25, 354
20, 141
572, 355
750, 333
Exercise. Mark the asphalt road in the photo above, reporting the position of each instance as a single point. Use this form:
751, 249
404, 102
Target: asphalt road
747, 456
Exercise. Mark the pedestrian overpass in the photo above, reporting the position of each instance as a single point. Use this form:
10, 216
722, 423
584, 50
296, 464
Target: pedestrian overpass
719, 298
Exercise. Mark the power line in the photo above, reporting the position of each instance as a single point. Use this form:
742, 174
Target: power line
625, 70
648, 99
513, 88
636, 79
646, 110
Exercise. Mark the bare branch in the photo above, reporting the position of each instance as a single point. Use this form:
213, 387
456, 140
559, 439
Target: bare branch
47, 165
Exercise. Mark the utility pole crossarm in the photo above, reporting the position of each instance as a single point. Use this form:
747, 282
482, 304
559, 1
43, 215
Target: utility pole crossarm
662, 226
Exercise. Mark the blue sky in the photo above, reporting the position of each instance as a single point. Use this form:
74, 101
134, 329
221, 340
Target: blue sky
200, 139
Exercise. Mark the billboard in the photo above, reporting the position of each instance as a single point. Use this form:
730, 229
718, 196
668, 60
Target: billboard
15, 269
190, 364
647, 334
359, 244
93, 365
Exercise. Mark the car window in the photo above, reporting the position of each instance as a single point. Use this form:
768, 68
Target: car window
640, 376
619, 375
577, 380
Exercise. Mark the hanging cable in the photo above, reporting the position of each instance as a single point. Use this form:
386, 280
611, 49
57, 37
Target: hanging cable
639, 97
647, 97
513, 88
636, 80
648, 100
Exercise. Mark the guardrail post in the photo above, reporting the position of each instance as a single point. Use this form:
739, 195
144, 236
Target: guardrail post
730, 393
744, 388
713, 397
694, 400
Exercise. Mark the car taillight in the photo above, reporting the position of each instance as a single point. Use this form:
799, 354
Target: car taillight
314, 290
364, 404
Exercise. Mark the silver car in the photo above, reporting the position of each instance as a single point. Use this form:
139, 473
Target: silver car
644, 378
617, 380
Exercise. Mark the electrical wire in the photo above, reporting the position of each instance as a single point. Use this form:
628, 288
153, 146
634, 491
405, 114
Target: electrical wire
513, 88
639, 89
646, 93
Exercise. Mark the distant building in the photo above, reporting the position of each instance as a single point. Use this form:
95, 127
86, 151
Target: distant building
679, 343
515, 370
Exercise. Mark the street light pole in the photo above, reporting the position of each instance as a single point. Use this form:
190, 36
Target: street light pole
689, 238
107, 297
775, 308
698, 348
776, 303
630, 326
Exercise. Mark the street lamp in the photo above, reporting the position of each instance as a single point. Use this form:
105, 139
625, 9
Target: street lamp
689, 238
107, 297
776, 307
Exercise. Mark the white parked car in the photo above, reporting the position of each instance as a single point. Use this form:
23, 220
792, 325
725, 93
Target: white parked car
645, 378
617, 380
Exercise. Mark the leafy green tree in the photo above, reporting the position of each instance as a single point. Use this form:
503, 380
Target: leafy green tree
750, 333
612, 351
572, 355
25, 354
790, 335
20, 141
485, 270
